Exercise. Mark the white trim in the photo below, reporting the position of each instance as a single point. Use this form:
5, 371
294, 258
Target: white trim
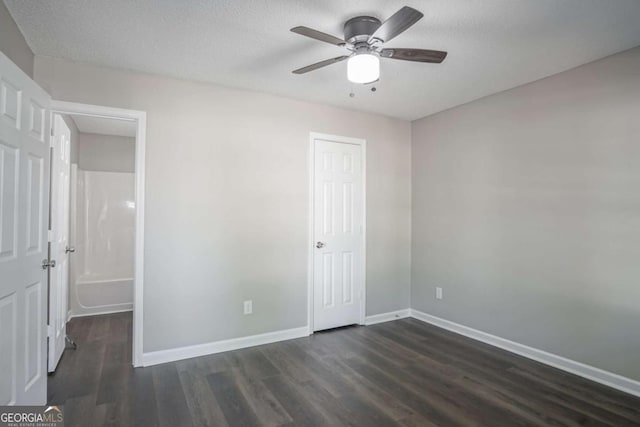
98, 313
171, 355
140, 117
138, 283
592, 373
387, 317
98, 281
78, 109
363, 293
310, 239
104, 306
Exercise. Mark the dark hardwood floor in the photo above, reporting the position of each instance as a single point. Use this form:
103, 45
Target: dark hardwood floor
399, 373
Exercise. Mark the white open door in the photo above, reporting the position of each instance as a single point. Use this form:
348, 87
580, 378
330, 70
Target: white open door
59, 276
338, 229
24, 201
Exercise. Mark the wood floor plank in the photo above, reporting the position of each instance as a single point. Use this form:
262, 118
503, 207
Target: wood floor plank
233, 403
144, 408
117, 413
322, 375
100, 328
403, 372
252, 362
524, 406
379, 397
86, 378
205, 365
340, 411
203, 406
611, 400
498, 374
58, 385
479, 406
78, 410
425, 403
116, 372
263, 403
281, 358
298, 408
173, 410
366, 349
79, 328
388, 347
416, 420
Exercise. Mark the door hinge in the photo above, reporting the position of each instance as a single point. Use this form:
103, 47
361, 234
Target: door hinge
50, 331
50, 236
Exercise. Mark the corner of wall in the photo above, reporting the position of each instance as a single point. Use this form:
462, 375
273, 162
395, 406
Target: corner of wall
13, 43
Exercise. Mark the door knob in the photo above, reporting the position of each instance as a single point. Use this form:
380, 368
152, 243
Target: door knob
320, 245
46, 263
70, 249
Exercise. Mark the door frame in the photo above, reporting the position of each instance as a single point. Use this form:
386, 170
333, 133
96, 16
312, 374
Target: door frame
140, 117
52, 244
313, 136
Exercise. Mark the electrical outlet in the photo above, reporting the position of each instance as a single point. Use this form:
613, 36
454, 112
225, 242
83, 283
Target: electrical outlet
248, 307
438, 293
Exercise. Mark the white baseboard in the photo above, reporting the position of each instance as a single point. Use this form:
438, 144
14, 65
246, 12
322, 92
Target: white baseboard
387, 317
174, 354
601, 376
171, 355
98, 313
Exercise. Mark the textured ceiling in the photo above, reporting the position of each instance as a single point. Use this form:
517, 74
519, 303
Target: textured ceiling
102, 126
493, 45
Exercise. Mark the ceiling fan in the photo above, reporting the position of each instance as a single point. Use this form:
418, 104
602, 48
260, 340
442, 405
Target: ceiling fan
364, 37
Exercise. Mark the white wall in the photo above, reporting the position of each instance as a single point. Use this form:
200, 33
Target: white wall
227, 201
526, 210
108, 153
12, 42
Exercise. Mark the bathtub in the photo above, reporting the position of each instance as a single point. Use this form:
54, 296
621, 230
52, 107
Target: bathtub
101, 296
103, 233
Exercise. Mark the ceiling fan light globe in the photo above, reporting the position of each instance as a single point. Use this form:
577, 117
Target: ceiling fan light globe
363, 68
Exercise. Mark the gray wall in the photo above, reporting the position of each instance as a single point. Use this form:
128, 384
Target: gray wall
227, 201
526, 210
12, 42
107, 153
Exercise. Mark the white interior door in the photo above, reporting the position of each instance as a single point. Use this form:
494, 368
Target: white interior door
338, 261
24, 201
60, 204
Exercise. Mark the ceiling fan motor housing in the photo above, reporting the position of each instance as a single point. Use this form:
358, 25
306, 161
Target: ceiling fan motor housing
360, 28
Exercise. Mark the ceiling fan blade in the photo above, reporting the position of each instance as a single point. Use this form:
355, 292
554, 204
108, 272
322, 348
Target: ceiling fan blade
416, 55
318, 35
319, 64
398, 23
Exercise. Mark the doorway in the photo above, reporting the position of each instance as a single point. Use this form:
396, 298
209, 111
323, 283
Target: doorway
337, 231
106, 215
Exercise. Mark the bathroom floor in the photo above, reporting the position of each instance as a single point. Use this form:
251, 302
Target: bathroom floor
403, 372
